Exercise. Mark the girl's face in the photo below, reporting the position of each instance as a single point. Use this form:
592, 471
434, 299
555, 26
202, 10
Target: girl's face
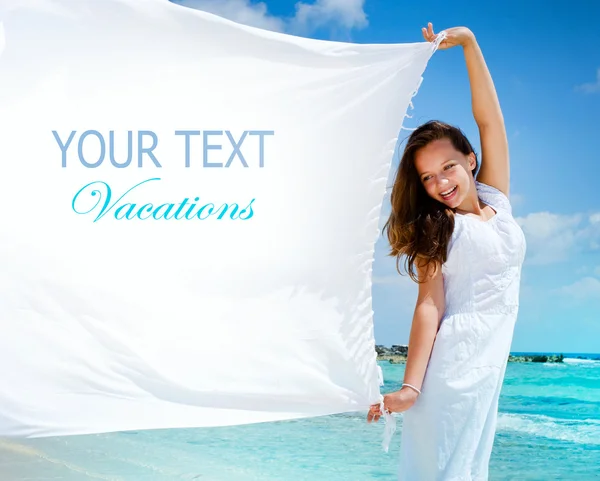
445, 172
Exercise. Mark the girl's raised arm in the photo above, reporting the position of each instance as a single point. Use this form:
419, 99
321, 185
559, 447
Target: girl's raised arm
495, 164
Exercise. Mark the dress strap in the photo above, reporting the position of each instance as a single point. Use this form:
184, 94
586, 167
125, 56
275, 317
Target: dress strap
493, 197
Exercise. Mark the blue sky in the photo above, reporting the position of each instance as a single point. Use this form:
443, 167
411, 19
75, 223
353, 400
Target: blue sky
546, 66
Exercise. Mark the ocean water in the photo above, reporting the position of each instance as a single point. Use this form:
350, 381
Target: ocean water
548, 429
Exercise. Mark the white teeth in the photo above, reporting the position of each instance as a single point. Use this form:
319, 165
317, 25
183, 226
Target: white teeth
448, 191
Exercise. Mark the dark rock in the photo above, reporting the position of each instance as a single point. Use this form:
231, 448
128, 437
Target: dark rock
398, 349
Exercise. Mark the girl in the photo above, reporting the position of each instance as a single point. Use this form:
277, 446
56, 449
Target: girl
459, 235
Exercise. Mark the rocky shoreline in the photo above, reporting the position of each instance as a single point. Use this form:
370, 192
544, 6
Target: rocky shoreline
396, 354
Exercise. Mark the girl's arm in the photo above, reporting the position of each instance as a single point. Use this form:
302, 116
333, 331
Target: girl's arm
428, 313
429, 310
495, 163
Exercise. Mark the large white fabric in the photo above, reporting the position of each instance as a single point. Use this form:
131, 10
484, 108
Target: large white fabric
448, 433
114, 318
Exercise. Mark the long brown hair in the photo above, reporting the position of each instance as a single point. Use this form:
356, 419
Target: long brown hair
420, 227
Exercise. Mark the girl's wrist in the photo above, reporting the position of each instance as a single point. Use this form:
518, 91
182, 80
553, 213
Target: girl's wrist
469, 40
409, 395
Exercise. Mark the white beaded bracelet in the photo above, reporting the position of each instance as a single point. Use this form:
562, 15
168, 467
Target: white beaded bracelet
411, 386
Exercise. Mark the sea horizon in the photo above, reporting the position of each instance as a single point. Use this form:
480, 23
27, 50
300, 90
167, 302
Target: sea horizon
566, 355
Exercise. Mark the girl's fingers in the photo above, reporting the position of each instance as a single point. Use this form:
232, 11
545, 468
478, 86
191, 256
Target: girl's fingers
374, 414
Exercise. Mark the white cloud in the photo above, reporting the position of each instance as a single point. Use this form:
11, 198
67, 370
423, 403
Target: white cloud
550, 237
240, 11
347, 14
554, 237
334, 14
582, 270
597, 270
585, 288
592, 232
516, 199
590, 87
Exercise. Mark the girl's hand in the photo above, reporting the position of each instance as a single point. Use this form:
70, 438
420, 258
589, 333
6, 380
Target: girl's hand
454, 36
374, 413
395, 402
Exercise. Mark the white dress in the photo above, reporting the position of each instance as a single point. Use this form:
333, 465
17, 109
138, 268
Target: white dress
447, 435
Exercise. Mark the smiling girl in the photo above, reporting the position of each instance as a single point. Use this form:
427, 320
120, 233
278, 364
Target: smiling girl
454, 228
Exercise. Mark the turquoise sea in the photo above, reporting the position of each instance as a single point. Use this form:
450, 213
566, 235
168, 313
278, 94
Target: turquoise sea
548, 429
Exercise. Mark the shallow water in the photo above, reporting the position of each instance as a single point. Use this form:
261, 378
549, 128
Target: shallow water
548, 428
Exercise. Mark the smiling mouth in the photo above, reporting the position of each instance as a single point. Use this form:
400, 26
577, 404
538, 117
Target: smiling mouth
448, 193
